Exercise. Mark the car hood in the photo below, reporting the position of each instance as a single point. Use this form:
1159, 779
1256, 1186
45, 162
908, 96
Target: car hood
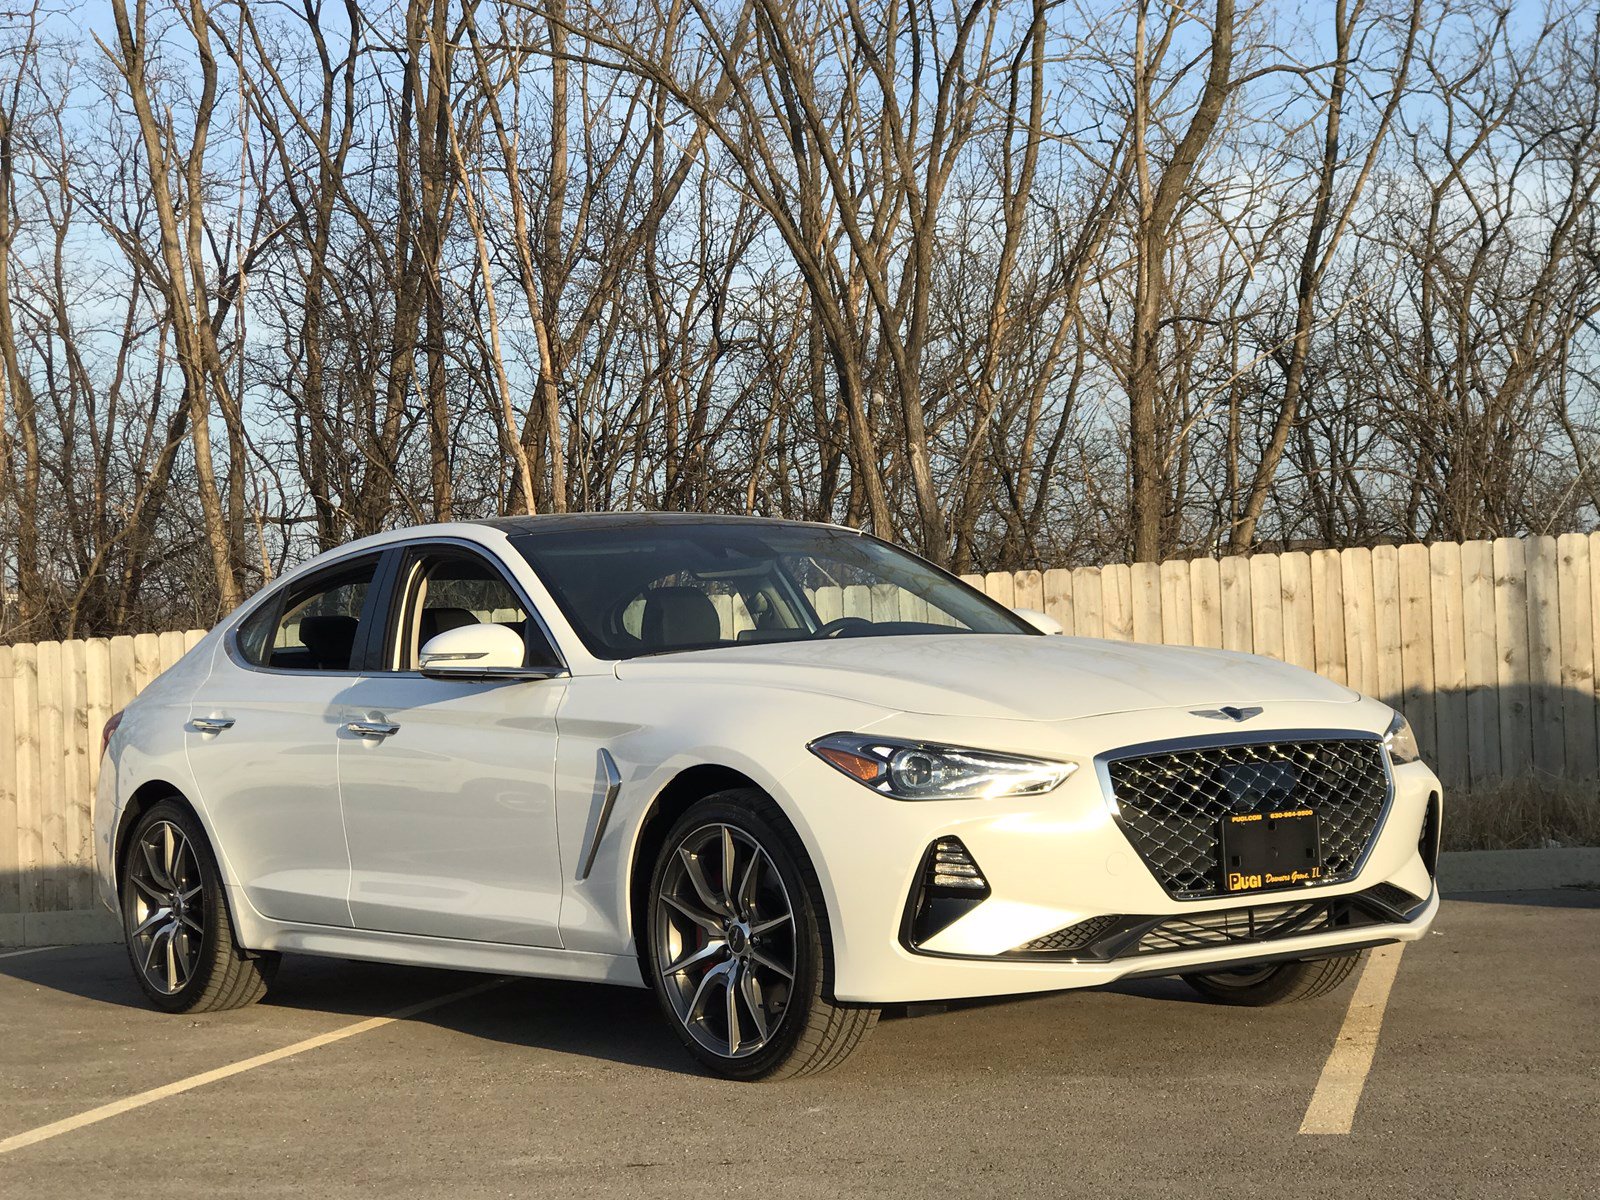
1008, 676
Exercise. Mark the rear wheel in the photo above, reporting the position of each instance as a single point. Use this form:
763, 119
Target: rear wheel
1276, 983
175, 919
736, 944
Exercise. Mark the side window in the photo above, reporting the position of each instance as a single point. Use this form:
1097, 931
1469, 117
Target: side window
447, 589
316, 626
254, 636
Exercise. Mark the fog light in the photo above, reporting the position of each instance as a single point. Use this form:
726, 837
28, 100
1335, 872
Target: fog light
953, 867
949, 886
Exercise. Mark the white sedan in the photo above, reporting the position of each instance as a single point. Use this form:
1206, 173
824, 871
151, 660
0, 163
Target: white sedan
782, 774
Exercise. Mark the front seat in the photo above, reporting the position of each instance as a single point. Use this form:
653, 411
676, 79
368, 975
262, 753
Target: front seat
679, 616
329, 639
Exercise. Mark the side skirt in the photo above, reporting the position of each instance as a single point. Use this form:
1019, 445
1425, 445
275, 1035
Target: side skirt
450, 954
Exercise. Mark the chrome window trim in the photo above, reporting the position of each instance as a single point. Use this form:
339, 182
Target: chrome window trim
1254, 737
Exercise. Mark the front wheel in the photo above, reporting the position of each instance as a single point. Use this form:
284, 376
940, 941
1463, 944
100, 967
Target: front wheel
175, 919
736, 944
1276, 983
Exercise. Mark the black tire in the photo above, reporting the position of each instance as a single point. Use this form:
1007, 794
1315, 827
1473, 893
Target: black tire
1276, 983
218, 974
811, 1034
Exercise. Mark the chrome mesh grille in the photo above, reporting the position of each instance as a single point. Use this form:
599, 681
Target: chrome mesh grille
1171, 804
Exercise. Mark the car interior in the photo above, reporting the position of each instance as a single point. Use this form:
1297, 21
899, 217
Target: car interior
452, 590
318, 627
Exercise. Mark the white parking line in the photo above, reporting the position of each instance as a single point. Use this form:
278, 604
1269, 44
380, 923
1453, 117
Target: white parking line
1333, 1103
29, 950
117, 1107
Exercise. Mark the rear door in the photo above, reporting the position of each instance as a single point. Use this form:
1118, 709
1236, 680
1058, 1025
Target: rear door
263, 744
448, 785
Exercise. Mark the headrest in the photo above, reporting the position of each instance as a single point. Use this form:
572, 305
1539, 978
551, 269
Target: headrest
330, 639
679, 616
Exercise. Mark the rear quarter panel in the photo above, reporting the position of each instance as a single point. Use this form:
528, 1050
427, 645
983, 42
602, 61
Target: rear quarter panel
149, 747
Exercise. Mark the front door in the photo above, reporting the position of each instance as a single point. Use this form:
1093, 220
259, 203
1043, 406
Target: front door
447, 785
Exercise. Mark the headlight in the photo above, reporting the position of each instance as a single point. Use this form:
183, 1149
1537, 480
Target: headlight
920, 771
1402, 743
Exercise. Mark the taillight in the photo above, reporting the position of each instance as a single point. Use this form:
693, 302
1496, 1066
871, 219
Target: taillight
111, 727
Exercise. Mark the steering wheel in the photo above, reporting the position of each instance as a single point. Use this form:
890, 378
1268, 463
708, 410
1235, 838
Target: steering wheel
837, 626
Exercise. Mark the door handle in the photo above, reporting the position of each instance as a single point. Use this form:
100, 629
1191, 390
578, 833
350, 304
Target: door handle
211, 724
371, 729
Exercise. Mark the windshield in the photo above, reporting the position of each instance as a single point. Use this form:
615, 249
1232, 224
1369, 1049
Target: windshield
629, 590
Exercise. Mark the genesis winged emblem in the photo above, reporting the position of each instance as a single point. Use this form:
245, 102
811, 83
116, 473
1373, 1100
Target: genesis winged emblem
1226, 713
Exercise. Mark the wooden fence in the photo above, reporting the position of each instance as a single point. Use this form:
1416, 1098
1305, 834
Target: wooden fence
55, 698
1488, 648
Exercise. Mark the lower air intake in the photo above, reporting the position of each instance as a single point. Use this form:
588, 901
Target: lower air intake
1112, 936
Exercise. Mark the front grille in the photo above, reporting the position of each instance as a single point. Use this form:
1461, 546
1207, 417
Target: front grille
1171, 804
1113, 936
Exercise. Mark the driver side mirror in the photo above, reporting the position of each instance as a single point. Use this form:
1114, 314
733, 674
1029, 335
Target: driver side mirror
1043, 622
479, 652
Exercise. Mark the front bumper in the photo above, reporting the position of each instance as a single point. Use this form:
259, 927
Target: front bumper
1056, 861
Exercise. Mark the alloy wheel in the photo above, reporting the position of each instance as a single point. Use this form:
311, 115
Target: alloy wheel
725, 940
166, 920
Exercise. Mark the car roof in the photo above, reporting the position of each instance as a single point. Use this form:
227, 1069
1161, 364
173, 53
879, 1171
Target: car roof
564, 522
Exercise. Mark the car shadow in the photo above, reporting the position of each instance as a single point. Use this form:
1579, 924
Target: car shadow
599, 1022
595, 1021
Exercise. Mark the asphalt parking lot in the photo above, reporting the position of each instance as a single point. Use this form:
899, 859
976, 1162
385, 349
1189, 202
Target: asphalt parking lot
1485, 1082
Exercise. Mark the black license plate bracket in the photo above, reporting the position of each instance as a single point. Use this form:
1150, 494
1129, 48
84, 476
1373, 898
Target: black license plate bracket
1262, 851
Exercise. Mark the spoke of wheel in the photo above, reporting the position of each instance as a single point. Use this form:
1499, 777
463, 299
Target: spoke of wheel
750, 989
747, 890
688, 960
191, 893
761, 927
699, 998
151, 892
169, 854
192, 923
702, 886
172, 962
156, 917
157, 875
150, 950
187, 952
707, 921
727, 871
730, 988
771, 964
